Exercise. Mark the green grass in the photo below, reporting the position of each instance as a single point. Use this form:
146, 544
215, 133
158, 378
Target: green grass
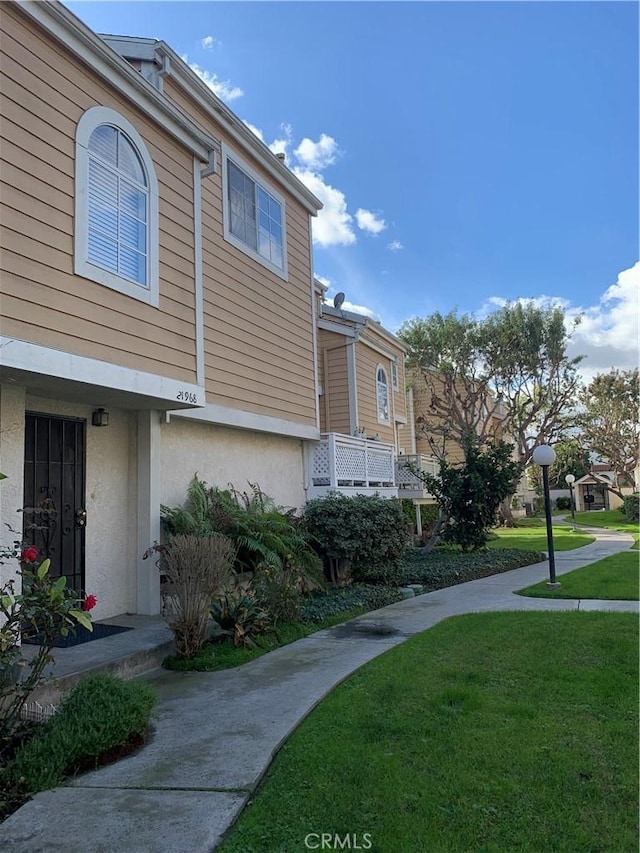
535, 538
616, 577
100, 715
613, 519
490, 732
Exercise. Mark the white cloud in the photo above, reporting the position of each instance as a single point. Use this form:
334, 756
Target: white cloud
254, 129
360, 309
395, 246
282, 145
369, 221
222, 88
208, 42
608, 332
334, 225
317, 155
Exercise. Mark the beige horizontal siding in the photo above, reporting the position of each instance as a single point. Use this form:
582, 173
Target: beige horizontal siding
45, 91
258, 336
332, 367
367, 361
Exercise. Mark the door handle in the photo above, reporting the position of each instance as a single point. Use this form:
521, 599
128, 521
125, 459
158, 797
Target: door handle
81, 517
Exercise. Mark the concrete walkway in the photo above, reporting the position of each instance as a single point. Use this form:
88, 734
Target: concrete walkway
216, 733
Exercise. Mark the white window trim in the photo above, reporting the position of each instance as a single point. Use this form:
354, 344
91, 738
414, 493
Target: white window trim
386, 421
394, 375
91, 119
228, 154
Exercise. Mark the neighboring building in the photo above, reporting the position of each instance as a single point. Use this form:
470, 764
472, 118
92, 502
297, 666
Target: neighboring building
157, 299
368, 440
591, 492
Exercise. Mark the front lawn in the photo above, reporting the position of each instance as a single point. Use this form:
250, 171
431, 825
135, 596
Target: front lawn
535, 538
613, 519
493, 732
614, 577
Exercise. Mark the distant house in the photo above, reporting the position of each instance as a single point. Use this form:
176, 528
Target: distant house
591, 492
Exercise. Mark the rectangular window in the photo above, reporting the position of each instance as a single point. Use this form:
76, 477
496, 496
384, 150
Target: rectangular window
394, 375
254, 217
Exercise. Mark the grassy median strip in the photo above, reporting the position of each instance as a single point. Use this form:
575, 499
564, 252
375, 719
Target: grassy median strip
613, 578
611, 519
494, 732
535, 538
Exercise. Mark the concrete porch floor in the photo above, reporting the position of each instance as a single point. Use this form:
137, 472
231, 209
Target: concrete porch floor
128, 655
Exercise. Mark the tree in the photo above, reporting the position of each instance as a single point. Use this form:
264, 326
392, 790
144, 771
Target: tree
572, 457
610, 422
508, 375
445, 355
469, 495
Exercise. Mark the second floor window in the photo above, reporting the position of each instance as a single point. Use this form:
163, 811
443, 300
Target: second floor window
382, 393
254, 216
118, 201
116, 206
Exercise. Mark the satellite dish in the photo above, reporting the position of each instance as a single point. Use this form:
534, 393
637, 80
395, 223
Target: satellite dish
338, 299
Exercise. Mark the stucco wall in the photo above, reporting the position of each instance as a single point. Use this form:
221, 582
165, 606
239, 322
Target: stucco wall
110, 548
11, 465
221, 455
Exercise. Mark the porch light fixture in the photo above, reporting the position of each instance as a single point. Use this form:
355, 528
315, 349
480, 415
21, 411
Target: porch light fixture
544, 455
100, 418
570, 480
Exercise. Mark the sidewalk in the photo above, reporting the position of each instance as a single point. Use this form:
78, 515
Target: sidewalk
216, 733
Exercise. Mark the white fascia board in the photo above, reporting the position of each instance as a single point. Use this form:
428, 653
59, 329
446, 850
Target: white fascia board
77, 38
44, 361
239, 419
237, 129
338, 328
385, 333
378, 347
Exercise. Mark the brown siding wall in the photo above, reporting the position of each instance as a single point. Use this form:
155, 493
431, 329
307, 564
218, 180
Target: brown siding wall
332, 367
45, 91
258, 328
367, 361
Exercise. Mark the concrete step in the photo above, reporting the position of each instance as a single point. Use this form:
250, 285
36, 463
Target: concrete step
127, 655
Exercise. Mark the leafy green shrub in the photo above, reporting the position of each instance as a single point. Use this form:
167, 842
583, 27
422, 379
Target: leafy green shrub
100, 714
45, 607
335, 600
429, 514
631, 508
471, 494
445, 567
368, 531
563, 503
262, 532
240, 617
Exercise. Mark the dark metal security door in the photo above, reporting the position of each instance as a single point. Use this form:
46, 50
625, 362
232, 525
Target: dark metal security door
54, 493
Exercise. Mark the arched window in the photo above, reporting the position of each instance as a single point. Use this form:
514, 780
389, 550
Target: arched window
116, 206
382, 395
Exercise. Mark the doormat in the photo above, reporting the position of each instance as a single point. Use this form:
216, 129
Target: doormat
79, 636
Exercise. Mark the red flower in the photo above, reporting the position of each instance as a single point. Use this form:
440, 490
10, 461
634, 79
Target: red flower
29, 555
89, 603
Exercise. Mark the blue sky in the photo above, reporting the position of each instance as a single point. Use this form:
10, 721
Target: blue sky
467, 152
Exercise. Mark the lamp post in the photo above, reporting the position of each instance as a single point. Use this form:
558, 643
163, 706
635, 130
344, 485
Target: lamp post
570, 480
544, 455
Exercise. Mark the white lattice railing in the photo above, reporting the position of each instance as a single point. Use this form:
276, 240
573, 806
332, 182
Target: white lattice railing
407, 465
342, 460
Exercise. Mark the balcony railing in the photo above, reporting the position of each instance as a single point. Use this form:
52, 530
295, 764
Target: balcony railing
353, 466
409, 483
